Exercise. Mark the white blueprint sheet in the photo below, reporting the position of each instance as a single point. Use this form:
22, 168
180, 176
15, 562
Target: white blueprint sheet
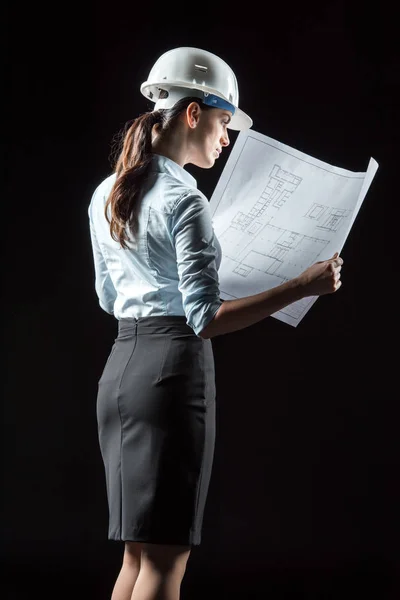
276, 211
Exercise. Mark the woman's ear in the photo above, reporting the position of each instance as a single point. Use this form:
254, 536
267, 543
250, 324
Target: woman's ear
155, 131
193, 114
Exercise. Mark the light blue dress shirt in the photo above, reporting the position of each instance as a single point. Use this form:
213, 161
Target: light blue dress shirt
171, 266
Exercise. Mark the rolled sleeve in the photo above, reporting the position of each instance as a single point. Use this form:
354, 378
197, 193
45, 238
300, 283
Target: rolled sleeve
196, 254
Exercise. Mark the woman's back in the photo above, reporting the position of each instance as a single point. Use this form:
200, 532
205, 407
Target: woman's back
170, 266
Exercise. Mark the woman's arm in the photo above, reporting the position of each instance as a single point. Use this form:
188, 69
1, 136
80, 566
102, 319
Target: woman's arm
321, 278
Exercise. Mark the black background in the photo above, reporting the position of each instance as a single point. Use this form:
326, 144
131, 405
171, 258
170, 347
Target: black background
304, 497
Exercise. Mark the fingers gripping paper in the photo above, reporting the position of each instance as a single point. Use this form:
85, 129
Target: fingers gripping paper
276, 211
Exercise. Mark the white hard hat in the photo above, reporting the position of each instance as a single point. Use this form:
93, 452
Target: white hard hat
184, 72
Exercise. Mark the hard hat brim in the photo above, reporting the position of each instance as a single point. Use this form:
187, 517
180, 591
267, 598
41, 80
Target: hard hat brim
240, 121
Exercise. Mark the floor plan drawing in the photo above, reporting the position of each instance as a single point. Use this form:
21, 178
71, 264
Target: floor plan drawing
273, 252
276, 211
280, 185
327, 218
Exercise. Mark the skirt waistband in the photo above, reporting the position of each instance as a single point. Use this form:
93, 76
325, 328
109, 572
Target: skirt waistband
160, 324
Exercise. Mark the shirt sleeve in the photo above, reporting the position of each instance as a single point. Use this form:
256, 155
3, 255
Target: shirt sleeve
196, 253
104, 286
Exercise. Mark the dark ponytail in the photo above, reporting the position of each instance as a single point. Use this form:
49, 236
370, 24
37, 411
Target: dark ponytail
132, 165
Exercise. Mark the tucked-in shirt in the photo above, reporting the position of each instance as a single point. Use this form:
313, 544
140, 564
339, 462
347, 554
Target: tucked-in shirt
171, 264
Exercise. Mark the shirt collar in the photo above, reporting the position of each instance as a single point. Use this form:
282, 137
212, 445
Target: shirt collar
167, 165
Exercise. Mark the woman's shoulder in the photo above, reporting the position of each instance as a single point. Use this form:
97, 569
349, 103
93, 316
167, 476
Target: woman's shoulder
105, 185
172, 194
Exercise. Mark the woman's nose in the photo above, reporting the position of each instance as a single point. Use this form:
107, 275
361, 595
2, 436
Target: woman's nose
225, 140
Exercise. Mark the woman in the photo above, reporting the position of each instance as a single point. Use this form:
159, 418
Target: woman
156, 261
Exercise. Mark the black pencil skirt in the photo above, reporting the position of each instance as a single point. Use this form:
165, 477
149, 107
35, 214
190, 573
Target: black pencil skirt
156, 425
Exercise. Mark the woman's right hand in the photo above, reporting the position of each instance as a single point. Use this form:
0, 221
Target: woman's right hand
322, 277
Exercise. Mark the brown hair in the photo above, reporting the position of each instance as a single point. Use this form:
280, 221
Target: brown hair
132, 164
